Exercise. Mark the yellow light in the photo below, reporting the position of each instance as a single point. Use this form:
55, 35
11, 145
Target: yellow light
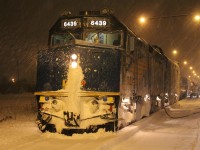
189, 76
142, 20
74, 64
74, 56
197, 18
191, 68
185, 62
174, 52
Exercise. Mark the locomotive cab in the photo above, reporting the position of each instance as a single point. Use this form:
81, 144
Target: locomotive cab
92, 27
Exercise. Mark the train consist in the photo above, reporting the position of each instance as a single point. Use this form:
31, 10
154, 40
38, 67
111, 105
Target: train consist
97, 73
189, 88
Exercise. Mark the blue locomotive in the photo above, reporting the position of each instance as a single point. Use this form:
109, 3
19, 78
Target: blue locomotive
97, 73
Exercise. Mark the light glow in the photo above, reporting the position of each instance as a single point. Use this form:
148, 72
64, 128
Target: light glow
13, 80
74, 56
197, 18
74, 64
174, 52
142, 20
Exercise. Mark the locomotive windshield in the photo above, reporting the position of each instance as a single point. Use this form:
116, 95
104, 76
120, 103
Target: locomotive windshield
108, 38
96, 30
63, 38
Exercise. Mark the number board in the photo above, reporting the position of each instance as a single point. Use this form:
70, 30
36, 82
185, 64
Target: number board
71, 23
98, 22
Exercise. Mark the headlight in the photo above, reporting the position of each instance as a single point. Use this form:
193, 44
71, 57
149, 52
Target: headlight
74, 64
74, 57
74, 60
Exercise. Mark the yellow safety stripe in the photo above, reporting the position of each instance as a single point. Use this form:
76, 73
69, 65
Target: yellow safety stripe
81, 94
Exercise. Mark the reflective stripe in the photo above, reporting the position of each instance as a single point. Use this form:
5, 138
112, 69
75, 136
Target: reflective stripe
81, 94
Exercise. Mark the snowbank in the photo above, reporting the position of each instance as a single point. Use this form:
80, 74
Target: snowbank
156, 131
183, 108
17, 107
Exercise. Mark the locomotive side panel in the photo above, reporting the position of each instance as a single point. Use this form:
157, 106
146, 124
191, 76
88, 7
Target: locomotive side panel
175, 83
157, 68
142, 77
172, 82
142, 71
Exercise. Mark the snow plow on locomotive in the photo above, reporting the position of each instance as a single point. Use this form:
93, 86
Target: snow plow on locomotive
97, 73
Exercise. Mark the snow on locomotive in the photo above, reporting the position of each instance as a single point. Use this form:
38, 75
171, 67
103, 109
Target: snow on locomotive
97, 73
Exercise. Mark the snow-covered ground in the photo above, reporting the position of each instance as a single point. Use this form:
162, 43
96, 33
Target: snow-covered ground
157, 132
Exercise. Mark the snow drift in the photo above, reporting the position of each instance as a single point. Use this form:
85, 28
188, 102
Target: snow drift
18, 106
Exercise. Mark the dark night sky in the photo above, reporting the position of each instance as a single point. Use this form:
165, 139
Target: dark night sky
24, 26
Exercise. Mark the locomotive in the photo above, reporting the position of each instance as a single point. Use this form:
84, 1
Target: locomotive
97, 73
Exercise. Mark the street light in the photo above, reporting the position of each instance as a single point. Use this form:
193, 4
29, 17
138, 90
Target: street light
197, 18
185, 62
174, 52
142, 20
